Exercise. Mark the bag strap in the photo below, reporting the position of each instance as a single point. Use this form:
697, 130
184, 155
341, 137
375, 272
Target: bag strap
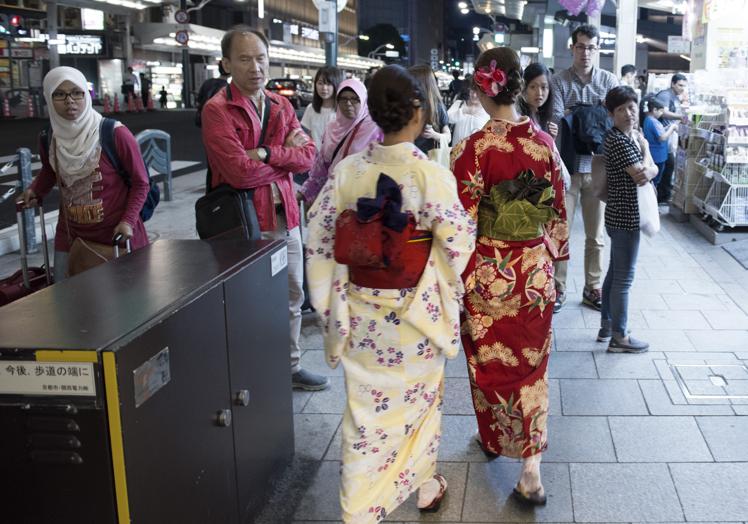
45, 137
340, 144
352, 137
263, 130
109, 148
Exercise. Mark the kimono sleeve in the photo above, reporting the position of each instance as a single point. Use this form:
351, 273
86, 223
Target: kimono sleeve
557, 229
453, 245
467, 172
328, 280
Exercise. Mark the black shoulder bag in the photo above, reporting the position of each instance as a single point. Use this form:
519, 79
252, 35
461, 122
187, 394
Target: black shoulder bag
224, 208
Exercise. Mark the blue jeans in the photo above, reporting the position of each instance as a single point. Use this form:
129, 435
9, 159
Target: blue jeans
624, 248
660, 171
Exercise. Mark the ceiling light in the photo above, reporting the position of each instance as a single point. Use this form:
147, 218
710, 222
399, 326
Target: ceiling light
530, 50
464, 11
462, 5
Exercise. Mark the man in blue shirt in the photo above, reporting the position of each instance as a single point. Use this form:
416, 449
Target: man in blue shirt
673, 114
656, 134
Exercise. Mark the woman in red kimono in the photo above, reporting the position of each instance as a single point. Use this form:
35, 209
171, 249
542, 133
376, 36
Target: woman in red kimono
509, 179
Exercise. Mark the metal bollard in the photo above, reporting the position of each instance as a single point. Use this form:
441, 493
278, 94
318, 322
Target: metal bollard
25, 176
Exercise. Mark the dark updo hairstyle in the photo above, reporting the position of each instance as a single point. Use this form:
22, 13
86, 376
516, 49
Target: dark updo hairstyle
329, 75
651, 104
393, 96
648, 105
508, 61
618, 96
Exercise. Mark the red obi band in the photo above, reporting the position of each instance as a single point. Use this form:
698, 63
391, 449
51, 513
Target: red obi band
405, 269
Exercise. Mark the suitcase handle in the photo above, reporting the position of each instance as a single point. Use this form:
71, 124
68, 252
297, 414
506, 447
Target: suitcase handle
115, 244
20, 207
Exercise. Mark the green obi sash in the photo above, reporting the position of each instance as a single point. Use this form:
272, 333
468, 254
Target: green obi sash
517, 209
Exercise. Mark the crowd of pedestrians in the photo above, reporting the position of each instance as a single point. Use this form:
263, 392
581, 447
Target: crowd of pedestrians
411, 257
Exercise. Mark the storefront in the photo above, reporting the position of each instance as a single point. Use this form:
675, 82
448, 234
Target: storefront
286, 60
164, 64
289, 60
711, 179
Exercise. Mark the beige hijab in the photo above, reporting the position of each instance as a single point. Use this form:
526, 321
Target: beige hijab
75, 148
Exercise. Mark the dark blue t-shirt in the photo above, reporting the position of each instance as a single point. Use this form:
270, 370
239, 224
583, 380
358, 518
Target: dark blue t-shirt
653, 130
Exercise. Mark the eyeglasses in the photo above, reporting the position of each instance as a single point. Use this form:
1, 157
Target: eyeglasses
60, 96
349, 100
582, 48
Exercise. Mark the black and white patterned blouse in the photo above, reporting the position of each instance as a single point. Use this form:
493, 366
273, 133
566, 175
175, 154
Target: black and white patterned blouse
622, 209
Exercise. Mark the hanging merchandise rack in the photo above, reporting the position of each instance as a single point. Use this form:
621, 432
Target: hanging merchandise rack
725, 201
697, 161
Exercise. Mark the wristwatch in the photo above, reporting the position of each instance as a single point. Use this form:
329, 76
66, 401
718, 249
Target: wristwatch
262, 153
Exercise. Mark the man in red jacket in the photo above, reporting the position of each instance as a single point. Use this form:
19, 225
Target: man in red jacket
242, 155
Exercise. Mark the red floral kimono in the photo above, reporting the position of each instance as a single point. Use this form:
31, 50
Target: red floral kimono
506, 326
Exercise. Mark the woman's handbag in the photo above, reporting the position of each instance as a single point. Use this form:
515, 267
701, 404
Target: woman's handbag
225, 208
85, 254
440, 155
649, 214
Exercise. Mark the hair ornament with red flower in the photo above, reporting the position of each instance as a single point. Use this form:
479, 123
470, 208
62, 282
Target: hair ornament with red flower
491, 80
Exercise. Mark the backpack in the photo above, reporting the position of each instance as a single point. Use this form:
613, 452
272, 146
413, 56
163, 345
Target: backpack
207, 91
590, 124
106, 137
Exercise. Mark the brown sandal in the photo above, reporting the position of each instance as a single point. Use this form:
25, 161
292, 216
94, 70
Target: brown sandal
434, 506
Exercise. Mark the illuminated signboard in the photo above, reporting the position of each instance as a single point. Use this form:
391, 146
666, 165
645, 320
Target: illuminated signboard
92, 19
81, 45
308, 32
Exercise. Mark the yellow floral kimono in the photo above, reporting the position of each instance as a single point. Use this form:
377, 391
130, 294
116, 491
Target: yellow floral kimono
392, 342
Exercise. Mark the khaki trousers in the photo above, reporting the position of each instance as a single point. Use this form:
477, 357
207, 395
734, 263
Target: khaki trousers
593, 216
295, 283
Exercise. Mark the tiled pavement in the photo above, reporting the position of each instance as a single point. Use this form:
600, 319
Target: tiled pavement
625, 443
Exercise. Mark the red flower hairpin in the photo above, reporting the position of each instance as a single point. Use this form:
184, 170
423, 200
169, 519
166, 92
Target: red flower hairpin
491, 79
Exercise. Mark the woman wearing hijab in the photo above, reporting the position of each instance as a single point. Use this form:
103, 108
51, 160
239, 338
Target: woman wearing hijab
350, 132
96, 204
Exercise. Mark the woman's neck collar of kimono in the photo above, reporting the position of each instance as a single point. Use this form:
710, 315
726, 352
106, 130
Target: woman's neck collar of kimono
506, 112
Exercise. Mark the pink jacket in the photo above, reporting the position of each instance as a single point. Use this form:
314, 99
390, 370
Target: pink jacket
231, 126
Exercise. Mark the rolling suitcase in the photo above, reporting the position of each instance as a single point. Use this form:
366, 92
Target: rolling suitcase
28, 279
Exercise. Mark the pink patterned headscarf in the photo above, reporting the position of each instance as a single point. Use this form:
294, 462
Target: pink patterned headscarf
355, 134
341, 127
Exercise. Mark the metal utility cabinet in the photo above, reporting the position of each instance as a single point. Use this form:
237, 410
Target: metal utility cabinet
154, 389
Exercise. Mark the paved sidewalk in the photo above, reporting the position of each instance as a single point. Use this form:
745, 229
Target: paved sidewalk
625, 444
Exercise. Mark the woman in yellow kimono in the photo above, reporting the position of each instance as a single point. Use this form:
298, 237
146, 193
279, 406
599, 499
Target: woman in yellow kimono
391, 308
